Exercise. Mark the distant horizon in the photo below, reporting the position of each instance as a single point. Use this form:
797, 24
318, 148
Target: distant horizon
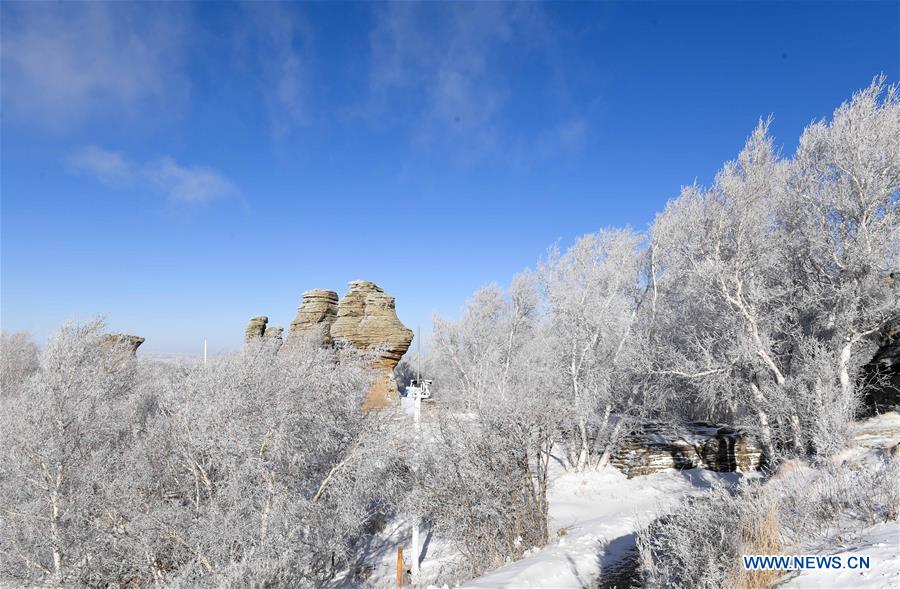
180, 168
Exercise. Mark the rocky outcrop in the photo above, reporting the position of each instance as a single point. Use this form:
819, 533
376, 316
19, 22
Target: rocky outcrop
728, 451
697, 445
127, 341
316, 314
256, 327
274, 336
884, 370
259, 329
367, 320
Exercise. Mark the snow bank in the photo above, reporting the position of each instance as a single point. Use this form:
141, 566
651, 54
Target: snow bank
598, 514
881, 543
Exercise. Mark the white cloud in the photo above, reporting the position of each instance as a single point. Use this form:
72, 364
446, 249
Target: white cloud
275, 41
66, 61
446, 68
189, 184
566, 137
108, 167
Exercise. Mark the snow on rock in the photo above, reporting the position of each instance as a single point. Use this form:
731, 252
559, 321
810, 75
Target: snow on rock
657, 447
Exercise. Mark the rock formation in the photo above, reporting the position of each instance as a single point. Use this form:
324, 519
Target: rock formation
884, 368
367, 320
274, 336
255, 328
317, 312
700, 445
130, 342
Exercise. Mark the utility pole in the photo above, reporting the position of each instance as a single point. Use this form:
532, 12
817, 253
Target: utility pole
417, 413
204, 353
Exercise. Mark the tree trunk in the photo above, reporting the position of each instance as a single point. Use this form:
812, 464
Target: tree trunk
610, 445
269, 479
55, 483
844, 367
583, 454
765, 430
797, 432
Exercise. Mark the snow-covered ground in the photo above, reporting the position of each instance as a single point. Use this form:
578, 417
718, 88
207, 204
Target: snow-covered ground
594, 516
881, 543
599, 513
878, 432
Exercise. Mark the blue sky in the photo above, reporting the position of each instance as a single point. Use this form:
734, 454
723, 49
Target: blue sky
182, 167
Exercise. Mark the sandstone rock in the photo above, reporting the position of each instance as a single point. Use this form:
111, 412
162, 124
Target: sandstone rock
316, 314
657, 447
274, 332
130, 342
884, 368
367, 320
637, 457
255, 328
274, 336
729, 451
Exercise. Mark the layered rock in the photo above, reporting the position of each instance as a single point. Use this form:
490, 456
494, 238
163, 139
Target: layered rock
274, 336
698, 445
128, 341
730, 450
367, 320
256, 327
884, 370
317, 312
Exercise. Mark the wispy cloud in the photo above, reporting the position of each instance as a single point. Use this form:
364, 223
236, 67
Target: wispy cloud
65, 61
457, 81
108, 167
188, 184
275, 41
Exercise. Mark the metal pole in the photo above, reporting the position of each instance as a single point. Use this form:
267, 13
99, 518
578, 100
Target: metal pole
204, 353
417, 415
415, 553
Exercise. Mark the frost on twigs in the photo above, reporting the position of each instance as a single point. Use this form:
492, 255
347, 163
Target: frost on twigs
258, 468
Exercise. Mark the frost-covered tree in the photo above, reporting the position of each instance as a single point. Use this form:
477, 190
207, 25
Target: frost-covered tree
842, 223
62, 441
722, 302
259, 469
771, 279
487, 467
275, 467
593, 293
18, 361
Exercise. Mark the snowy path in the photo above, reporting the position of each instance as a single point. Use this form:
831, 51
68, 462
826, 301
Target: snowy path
599, 513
